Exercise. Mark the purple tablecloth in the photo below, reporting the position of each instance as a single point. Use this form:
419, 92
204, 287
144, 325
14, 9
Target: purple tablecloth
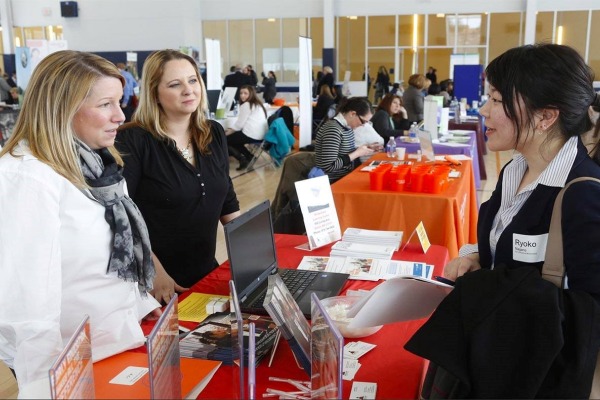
468, 149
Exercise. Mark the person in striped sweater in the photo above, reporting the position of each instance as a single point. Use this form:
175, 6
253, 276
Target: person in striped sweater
335, 150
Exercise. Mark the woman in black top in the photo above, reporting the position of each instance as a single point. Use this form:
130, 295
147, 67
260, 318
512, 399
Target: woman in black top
390, 119
270, 90
324, 103
382, 83
177, 171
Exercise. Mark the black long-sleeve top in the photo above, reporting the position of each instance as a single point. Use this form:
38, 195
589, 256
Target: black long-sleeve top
181, 204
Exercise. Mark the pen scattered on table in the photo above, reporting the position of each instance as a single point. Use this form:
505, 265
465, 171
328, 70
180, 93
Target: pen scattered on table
302, 392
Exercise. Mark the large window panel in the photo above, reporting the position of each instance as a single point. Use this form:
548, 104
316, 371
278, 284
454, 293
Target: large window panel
440, 60
574, 29
382, 31
292, 29
34, 32
218, 30
465, 31
241, 42
544, 24
594, 46
436, 30
405, 30
316, 34
506, 32
377, 58
351, 49
268, 47
18, 36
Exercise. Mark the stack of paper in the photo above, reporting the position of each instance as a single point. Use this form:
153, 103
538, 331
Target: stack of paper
385, 238
362, 250
367, 269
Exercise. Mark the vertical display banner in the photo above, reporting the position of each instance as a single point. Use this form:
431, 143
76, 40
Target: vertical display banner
305, 100
163, 355
212, 47
431, 116
72, 374
23, 64
38, 49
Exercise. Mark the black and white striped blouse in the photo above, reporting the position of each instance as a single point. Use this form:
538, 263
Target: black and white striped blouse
334, 141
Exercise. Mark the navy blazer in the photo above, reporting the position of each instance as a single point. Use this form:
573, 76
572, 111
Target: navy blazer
580, 225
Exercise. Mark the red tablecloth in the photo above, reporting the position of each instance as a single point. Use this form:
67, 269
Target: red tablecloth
396, 372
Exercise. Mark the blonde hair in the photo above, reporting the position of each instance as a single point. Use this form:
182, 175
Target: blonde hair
150, 114
59, 85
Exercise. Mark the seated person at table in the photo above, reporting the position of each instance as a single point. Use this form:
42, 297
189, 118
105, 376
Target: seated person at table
539, 117
324, 103
413, 99
62, 255
389, 111
177, 171
335, 150
250, 125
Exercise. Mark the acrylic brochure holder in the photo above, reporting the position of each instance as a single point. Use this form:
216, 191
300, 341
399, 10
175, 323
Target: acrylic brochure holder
292, 324
251, 361
72, 374
327, 348
318, 212
237, 338
163, 355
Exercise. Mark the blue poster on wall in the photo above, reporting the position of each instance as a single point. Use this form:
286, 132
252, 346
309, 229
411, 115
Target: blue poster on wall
23, 66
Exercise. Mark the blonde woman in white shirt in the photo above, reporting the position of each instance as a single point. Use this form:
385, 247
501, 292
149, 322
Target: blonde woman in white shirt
251, 125
72, 242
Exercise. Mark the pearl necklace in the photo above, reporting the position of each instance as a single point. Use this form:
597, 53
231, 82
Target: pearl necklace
185, 152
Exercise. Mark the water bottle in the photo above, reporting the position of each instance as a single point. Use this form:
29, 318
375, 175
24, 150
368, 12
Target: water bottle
455, 106
236, 108
390, 148
412, 133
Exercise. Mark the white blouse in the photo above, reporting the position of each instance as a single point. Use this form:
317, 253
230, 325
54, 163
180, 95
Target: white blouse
251, 121
54, 250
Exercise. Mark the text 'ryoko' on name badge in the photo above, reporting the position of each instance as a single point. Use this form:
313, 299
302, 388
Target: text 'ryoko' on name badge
529, 248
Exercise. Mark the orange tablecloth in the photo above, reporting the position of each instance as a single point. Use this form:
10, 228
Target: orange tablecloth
450, 218
397, 372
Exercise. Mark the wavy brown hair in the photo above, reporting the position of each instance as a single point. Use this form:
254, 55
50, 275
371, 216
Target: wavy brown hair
150, 114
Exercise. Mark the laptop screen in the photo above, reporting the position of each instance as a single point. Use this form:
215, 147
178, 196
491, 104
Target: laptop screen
213, 99
251, 248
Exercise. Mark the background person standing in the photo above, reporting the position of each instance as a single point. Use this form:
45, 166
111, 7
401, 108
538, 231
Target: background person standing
128, 92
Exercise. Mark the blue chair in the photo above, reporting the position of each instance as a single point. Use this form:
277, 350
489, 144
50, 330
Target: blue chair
263, 146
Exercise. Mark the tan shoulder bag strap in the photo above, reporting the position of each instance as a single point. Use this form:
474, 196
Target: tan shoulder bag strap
554, 268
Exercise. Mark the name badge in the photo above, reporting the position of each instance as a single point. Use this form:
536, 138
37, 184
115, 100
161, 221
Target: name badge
529, 249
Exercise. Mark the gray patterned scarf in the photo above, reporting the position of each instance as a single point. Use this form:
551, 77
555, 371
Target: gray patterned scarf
130, 257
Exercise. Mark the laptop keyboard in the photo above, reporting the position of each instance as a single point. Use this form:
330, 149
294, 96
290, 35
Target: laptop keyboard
296, 281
